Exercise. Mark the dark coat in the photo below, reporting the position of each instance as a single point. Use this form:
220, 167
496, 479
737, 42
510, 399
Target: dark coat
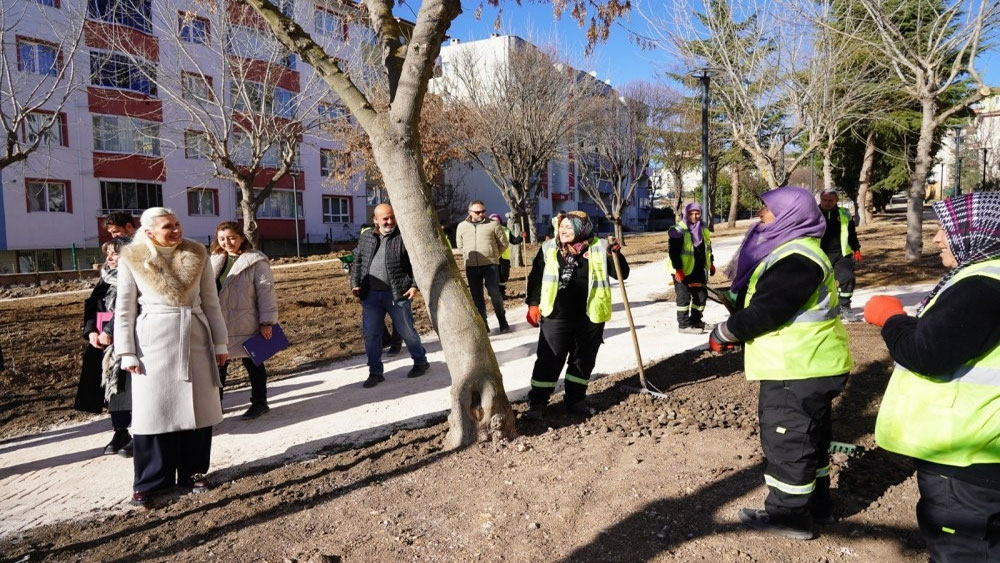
397, 261
89, 393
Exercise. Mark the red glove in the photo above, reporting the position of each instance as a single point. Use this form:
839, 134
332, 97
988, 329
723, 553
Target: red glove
711, 270
613, 245
881, 307
857, 256
534, 315
717, 343
679, 276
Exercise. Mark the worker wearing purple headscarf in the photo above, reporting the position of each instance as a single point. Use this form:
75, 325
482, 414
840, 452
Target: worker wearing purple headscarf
797, 348
690, 257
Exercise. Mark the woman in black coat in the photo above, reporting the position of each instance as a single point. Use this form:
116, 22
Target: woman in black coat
101, 379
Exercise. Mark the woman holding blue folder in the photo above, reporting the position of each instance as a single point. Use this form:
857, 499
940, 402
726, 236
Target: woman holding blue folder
249, 304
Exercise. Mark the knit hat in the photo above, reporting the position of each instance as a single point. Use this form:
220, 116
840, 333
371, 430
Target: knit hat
497, 217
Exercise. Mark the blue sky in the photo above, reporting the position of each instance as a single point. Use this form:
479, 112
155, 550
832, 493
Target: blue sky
619, 59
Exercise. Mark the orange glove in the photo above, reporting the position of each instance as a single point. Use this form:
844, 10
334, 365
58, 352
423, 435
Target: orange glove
679, 276
857, 256
534, 315
881, 307
711, 270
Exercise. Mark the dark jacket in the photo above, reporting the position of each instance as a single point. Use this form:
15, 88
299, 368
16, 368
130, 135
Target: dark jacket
396, 259
571, 301
781, 292
675, 249
89, 392
960, 326
830, 243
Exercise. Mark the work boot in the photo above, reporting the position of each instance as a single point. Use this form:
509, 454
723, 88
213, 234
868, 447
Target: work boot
255, 410
394, 349
535, 412
118, 441
690, 330
761, 520
373, 380
126, 450
579, 408
418, 370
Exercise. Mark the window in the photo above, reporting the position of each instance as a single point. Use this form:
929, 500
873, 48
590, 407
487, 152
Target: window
115, 70
374, 194
196, 87
196, 145
132, 13
328, 23
37, 260
192, 28
287, 7
257, 98
51, 127
203, 202
254, 44
134, 197
331, 113
336, 209
114, 133
241, 150
53, 3
278, 205
48, 197
333, 162
37, 57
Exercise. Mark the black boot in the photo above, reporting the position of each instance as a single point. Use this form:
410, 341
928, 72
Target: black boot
118, 441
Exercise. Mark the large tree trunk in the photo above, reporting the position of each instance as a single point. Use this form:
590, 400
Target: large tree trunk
479, 404
249, 213
679, 185
517, 227
865, 181
619, 234
918, 181
734, 196
828, 167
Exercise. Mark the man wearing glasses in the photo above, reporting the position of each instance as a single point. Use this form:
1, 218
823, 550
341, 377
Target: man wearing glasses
481, 243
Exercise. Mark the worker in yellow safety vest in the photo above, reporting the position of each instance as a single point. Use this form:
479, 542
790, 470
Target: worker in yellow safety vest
942, 405
840, 242
797, 348
569, 295
689, 255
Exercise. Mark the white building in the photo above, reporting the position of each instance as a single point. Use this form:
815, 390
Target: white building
980, 142
123, 145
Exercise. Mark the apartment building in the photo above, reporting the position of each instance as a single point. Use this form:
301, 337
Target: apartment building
560, 186
130, 136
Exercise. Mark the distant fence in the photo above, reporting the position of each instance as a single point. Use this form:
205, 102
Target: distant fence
38, 278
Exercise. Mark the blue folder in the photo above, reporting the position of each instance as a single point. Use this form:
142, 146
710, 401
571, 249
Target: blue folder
260, 349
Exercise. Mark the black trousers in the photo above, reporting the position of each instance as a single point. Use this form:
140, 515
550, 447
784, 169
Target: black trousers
959, 521
795, 432
488, 276
565, 342
164, 460
690, 304
121, 420
843, 271
258, 380
503, 269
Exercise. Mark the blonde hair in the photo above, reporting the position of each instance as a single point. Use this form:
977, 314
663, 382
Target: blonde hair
147, 221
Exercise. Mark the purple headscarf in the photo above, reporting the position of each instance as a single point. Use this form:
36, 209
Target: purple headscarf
796, 215
695, 227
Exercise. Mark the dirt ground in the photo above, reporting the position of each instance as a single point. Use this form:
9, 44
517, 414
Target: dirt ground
656, 479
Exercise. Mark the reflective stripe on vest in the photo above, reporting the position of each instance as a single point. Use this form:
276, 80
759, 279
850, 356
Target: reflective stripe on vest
687, 249
599, 296
845, 249
813, 343
506, 251
952, 420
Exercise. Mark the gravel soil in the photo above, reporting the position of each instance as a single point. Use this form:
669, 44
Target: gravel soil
646, 478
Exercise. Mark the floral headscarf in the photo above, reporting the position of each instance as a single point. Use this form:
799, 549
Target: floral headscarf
572, 251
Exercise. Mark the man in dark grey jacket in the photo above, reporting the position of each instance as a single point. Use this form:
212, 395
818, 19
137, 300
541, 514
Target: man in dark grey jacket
383, 278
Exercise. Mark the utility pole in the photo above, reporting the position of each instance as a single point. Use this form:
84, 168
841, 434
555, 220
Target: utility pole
958, 159
982, 179
295, 214
704, 76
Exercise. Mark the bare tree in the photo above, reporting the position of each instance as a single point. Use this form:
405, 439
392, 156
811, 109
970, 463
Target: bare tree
479, 405
518, 111
38, 74
233, 95
618, 142
929, 47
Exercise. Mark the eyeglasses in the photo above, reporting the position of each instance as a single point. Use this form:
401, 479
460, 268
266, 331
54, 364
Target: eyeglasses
477, 211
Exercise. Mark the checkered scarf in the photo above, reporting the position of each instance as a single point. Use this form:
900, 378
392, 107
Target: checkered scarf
972, 224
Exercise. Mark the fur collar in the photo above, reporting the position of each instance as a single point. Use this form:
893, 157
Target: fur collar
173, 276
244, 261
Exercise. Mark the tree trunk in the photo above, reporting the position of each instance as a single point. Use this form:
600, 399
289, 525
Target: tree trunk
516, 226
679, 184
619, 234
915, 202
828, 167
249, 214
479, 405
865, 181
734, 196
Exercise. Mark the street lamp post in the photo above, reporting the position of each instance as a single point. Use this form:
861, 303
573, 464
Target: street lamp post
704, 76
958, 159
295, 215
982, 180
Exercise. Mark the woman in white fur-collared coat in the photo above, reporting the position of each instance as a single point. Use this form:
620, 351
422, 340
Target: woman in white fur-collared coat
249, 304
170, 333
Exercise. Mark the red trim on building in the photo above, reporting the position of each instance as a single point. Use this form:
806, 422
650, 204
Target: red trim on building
278, 228
129, 167
285, 183
266, 73
109, 101
112, 37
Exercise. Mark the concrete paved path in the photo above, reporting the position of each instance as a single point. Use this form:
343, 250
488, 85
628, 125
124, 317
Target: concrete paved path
59, 474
